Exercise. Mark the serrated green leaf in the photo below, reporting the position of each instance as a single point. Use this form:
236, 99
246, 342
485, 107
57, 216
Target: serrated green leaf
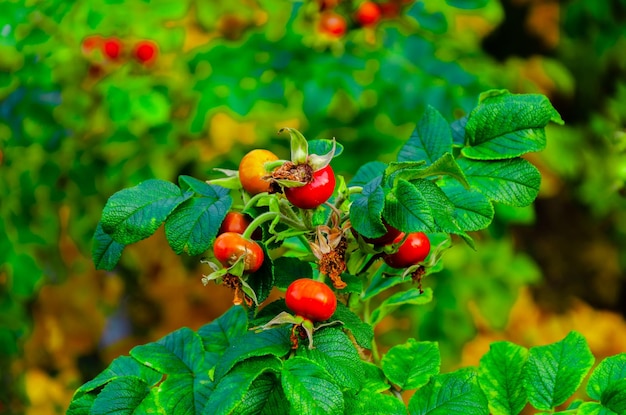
500, 375
513, 182
310, 389
205, 189
455, 393
81, 405
121, 396
133, 214
367, 402
430, 139
289, 269
105, 251
507, 125
609, 370
554, 372
363, 333
411, 296
407, 209
593, 408
441, 207
446, 165
412, 364
614, 396
218, 335
120, 367
264, 397
193, 225
367, 208
274, 342
185, 393
179, 352
335, 352
472, 210
375, 380
367, 172
231, 388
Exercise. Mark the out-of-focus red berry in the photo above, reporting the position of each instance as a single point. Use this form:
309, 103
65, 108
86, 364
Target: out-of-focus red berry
333, 24
368, 13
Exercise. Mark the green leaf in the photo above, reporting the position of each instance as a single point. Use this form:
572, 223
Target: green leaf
554, 372
472, 210
231, 388
411, 296
505, 125
412, 364
593, 408
363, 333
614, 396
366, 210
310, 389
446, 165
500, 375
121, 367
608, 371
218, 335
262, 281
264, 397
193, 225
185, 393
121, 396
431, 139
441, 207
274, 342
368, 172
379, 283
407, 209
335, 352
289, 269
81, 405
513, 182
105, 251
367, 402
179, 352
455, 393
133, 214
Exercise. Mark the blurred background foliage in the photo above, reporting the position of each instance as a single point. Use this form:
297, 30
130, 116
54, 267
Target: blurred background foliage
76, 126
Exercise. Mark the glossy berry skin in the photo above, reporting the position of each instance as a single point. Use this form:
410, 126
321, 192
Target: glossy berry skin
311, 299
252, 171
333, 24
387, 238
368, 13
112, 48
145, 51
314, 193
230, 246
413, 250
238, 222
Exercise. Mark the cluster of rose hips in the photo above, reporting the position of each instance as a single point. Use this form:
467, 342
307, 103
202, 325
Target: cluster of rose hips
336, 16
114, 49
306, 182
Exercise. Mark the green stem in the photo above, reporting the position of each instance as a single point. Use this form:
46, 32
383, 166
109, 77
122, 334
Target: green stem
250, 203
367, 319
266, 217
